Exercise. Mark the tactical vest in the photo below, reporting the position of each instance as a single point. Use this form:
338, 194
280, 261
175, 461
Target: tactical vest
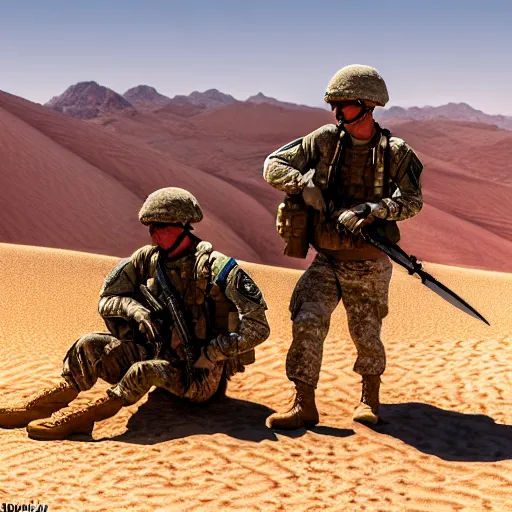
207, 310
355, 175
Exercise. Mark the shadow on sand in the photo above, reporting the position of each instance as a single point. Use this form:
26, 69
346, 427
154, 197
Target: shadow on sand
323, 430
448, 435
163, 418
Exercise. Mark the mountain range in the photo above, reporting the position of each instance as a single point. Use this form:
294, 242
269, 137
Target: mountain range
88, 100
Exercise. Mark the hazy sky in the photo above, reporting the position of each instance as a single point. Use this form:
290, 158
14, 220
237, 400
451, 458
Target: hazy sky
429, 52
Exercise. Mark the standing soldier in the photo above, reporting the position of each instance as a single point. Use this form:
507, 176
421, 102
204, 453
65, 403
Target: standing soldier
330, 176
181, 317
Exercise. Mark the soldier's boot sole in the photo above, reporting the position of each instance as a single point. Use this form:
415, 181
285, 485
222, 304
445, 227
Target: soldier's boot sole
364, 414
293, 420
42, 432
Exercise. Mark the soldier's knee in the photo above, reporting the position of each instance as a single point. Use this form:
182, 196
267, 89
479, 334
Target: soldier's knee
82, 343
138, 368
311, 312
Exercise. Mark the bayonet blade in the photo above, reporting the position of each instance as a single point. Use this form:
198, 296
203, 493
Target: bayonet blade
410, 263
451, 297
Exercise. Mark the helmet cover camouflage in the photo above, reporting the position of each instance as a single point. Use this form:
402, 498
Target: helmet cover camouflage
357, 82
170, 205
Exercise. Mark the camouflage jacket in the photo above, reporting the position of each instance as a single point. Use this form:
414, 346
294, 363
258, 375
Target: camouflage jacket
225, 308
284, 168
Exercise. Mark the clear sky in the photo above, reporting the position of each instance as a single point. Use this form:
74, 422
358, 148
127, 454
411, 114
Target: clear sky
429, 52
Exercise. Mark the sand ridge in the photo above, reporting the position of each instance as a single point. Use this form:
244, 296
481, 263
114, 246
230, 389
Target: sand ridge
446, 394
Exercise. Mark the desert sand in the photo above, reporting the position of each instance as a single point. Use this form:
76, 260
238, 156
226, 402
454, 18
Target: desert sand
446, 444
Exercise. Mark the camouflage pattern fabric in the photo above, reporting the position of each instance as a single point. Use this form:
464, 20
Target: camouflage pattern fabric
384, 171
357, 81
141, 376
102, 356
284, 168
171, 204
363, 288
99, 356
229, 335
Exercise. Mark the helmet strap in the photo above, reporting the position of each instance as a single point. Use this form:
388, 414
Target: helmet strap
364, 110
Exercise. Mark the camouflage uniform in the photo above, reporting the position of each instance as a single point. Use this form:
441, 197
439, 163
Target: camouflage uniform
347, 267
220, 298
383, 171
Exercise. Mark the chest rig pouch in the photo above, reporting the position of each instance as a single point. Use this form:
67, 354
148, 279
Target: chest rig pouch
293, 226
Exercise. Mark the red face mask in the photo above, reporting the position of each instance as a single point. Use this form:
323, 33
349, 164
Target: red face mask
363, 128
165, 236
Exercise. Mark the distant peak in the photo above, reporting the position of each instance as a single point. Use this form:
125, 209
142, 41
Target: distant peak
145, 96
142, 88
87, 100
88, 82
454, 111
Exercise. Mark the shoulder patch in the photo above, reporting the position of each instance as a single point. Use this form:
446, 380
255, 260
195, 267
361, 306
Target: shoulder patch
247, 287
221, 270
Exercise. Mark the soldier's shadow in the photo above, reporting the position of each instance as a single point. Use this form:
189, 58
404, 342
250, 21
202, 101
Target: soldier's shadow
164, 417
446, 434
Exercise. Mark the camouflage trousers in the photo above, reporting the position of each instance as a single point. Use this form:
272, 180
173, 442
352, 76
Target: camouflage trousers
123, 363
363, 287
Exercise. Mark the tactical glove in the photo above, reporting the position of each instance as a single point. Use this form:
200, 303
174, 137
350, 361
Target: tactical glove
361, 215
143, 317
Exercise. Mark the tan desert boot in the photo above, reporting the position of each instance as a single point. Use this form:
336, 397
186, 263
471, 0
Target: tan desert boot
368, 410
41, 405
74, 421
303, 412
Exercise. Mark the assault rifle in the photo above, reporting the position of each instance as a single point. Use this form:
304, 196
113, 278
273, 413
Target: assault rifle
169, 316
159, 317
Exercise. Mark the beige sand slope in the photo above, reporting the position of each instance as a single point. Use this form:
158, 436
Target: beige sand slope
447, 446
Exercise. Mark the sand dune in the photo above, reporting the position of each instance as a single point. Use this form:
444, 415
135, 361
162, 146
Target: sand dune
78, 185
465, 181
447, 443
54, 165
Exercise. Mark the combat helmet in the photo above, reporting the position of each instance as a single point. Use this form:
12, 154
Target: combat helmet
357, 82
171, 205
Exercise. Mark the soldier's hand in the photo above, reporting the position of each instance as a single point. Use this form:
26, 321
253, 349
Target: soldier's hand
203, 362
352, 222
146, 326
313, 197
357, 217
